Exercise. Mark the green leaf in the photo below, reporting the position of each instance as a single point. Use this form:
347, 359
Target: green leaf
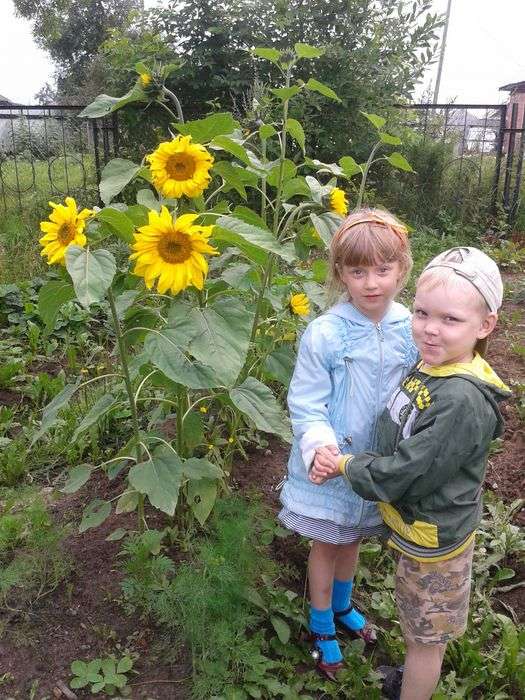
236, 176
307, 51
124, 301
293, 187
282, 629
296, 130
108, 667
349, 166
256, 401
319, 270
121, 224
204, 130
78, 476
326, 225
105, 104
117, 534
99, 409
163, 349
79, 668
51, 297
400, 162
322, 89
201, 497
252, 240
192, 431
124, 665
279, 365
218, 335
227, 144
272, 55
92, 273
50, 412
115, 176
78, 682
201, 469
159, 478
389, 139
127, 503
95, 514
375, 119
286, 93
147, 199
289, 171
266, 131
316, 293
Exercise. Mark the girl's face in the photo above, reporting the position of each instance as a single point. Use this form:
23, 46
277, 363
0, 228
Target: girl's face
372, 288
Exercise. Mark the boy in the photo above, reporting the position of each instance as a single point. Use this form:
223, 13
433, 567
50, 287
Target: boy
428, 471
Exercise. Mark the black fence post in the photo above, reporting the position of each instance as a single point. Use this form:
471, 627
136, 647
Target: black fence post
499, 154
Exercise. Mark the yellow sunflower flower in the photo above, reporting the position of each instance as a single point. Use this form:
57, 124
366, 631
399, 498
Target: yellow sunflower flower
300, 304
145, 79
180, 167
172, 252
338, 201
65, 226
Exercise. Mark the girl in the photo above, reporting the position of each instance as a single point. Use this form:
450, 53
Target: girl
350, 359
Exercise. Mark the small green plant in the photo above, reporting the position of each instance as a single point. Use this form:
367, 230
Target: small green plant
106, 675
8, 372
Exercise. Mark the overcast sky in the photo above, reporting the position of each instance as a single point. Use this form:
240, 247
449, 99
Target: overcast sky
485, 50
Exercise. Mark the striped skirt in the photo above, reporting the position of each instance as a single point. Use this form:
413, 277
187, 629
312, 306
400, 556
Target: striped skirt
327, 531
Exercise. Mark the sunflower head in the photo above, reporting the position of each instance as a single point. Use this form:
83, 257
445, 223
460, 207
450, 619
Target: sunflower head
64, 227
299, 304
180, 167
172, 252
144, 80
338, 201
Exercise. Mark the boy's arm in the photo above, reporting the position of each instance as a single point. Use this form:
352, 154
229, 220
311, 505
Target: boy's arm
449, 431
309, 394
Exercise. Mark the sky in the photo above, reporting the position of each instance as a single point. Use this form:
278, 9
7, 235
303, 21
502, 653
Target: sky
485, 50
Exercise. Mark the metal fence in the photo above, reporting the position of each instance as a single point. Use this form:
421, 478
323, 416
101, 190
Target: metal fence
485, 150
48, 151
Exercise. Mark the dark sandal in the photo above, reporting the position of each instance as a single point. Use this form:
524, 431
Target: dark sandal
392, 681
326, 670
366, 633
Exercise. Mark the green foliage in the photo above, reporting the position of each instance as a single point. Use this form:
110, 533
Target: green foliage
32, 563
106, 675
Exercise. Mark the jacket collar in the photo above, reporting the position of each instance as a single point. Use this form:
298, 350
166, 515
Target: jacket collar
395, 313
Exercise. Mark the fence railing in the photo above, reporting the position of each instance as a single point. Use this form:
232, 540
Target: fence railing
47, 151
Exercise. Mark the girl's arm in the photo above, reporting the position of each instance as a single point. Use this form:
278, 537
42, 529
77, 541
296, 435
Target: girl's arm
310, 393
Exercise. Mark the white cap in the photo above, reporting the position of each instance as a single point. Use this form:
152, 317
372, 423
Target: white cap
476, 267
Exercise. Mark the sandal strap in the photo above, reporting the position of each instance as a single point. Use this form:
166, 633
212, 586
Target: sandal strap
316, 637
342, 613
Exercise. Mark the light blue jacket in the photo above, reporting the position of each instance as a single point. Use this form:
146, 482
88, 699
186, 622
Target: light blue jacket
346, 370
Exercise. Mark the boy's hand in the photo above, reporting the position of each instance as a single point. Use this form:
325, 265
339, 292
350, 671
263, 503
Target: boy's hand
325, 464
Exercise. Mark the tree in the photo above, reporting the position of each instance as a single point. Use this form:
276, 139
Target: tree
71, 31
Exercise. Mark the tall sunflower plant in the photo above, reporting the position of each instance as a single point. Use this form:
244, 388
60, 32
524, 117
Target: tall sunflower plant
208, 295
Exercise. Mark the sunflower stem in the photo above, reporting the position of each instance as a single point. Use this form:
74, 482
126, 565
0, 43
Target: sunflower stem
264, 196
361, 194
131, 397
176, 102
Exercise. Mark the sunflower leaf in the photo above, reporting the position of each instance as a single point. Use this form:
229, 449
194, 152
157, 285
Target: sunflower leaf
105, 104
201, 495
121, 224
204, 130
115, 176
92, 273
51, 297
256, 400
254, 241
159, 478
322, 89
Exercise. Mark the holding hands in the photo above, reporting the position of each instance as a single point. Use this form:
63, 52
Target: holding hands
325, 465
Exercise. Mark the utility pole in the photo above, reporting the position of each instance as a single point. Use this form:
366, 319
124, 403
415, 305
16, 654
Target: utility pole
442, 53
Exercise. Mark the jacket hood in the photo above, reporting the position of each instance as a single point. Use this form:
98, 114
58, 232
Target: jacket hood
345, 309
479, 373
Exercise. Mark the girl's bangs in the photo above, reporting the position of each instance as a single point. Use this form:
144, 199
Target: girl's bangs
369, 245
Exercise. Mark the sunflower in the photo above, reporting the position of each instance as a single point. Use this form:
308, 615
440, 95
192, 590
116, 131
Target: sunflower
300, 304
172, 252
144, 79
338, 202
65, 227
180, 167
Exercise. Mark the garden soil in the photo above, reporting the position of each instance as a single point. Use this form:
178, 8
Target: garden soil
83, 619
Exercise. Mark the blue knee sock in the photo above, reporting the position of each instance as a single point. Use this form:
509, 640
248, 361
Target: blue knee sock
342, 599
322, 622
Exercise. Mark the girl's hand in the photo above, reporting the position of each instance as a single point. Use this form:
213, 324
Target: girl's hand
325, 464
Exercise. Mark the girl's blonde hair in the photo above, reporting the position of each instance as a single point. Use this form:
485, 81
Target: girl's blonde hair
368, 237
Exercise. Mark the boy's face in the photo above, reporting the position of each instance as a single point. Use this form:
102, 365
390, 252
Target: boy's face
448, 321
372, 288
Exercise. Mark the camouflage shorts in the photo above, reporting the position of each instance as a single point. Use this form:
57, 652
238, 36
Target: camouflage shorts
433, 598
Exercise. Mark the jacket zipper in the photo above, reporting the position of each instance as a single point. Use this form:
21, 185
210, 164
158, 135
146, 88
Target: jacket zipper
380, 340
